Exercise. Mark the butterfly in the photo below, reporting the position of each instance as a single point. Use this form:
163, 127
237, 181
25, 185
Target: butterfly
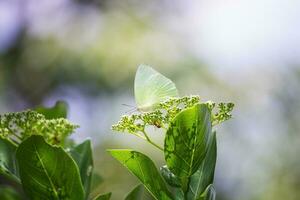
151, 88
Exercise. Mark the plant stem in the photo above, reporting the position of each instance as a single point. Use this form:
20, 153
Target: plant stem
11, 141
17, 136
151, 142
140, 136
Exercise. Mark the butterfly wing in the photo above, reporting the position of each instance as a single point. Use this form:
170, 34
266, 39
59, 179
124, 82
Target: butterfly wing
151, 87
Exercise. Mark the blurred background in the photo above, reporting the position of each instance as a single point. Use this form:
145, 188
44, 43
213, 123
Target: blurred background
86, 52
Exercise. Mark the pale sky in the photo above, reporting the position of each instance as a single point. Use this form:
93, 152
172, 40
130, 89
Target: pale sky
241, 33
222, 33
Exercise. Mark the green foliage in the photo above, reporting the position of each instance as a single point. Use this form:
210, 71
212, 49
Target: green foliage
204, 176
169, 177
32, 154
7, 159
190, 147
16, 127
48, 172
82, 155
165, 112
144, 169
8, 193
208, 194
186, 141
136, 193
33, 160
190, 153
105, 196
96, 181
45, 170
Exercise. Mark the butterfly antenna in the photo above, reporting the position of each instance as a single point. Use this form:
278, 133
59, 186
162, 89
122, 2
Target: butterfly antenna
131, 111
123, 104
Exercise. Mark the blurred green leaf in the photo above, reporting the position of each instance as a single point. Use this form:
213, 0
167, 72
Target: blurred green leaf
82, 155
103, 196
8, 193
144, 169
169, 177
48, 172
8, 166
186, 141
208, 194
96, 181
59, 110
178, 194
136, 193
205, 174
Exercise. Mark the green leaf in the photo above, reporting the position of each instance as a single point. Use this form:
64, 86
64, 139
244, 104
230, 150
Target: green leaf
59, 110
208, 194
48, 172
136, 193
96, 181
7, 158
144, 169
173, 181
8, 193
169, 177
82, 155
205, 174
186, 140
8, 171
178, 194
103, 196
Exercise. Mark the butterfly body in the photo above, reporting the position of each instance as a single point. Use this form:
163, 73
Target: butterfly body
146, 108
157, 124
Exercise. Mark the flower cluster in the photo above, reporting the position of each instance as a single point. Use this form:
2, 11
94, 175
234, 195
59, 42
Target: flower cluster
165, 111
223, 113
17, 126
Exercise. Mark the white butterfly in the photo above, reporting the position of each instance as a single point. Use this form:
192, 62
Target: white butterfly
151, 88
